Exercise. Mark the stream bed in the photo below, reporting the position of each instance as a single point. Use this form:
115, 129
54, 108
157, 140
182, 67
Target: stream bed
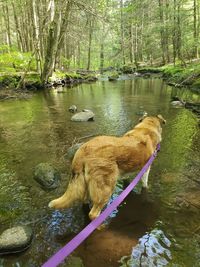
166, 219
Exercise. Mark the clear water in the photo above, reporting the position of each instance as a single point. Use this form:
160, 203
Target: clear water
39, 130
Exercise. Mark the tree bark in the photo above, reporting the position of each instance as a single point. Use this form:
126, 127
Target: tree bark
162, 33
196, 49
7, 23
90, 42
122, 32
19, 34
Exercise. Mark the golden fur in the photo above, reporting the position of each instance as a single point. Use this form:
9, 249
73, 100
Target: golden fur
98, 163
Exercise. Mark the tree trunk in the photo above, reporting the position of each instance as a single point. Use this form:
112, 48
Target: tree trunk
136, 47
89, 43
196, 50
174, 33
167, 31
21, 43
36, 37
52, 40
122, 32
162, 33
179, 41
7, 24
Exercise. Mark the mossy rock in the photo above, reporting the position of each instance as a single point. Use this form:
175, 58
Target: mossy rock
72, 150
47, 176
128, 69
10, 81
113, 76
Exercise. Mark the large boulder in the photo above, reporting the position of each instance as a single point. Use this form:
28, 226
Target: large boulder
85, 115
47, 176
15, 239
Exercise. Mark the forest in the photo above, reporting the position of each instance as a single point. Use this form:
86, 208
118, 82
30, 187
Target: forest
43, 36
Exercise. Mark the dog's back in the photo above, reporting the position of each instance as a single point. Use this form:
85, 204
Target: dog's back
129, 152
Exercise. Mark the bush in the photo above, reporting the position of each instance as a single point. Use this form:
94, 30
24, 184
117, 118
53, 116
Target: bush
15, 61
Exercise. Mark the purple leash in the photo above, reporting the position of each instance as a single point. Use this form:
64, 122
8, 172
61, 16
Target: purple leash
59, 256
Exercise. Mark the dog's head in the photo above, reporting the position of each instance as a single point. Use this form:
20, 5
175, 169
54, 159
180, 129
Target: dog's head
161, 119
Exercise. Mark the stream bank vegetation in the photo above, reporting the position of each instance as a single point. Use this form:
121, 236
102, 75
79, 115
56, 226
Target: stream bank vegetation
74, 41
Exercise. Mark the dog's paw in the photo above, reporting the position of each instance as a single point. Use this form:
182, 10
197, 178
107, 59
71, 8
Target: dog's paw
102, 227
51, 204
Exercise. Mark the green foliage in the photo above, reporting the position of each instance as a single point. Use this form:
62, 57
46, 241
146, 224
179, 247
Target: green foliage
188, 75
15, 61
112, 73
61, 75
172, 70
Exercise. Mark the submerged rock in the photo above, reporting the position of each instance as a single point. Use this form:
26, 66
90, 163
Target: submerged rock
74, 262
113, 78
85, 115
15, 239
72, 150
72, 108
152, 250
47, 176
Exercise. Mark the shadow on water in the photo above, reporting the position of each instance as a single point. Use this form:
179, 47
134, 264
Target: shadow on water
40, 130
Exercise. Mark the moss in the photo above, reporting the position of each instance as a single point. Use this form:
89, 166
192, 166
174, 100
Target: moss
72, 77
183, 76
33, 77
9, 81
196, 84
113, 73
128, 69
63, 75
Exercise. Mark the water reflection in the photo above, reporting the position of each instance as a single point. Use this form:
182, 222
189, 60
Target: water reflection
152, 250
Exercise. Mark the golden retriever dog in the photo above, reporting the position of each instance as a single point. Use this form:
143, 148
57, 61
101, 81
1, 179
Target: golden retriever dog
99, 162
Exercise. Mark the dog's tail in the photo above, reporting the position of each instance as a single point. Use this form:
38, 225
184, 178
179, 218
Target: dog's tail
76, 191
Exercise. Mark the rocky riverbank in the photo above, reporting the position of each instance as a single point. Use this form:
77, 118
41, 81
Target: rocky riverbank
9, 83
178, 76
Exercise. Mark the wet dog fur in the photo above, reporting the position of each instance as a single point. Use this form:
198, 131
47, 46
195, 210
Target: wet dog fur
99, 162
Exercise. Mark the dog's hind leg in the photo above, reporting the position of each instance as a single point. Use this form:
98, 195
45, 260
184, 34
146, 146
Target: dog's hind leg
145, 178
101, 187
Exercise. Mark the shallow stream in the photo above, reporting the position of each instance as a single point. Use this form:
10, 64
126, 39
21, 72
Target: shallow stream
39, 130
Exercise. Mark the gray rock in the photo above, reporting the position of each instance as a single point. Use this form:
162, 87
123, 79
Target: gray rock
47, 176
113, 77
73, 108
15, 239
85, 115
72, 150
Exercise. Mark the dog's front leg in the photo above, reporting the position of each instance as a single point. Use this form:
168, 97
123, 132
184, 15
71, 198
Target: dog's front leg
145, 178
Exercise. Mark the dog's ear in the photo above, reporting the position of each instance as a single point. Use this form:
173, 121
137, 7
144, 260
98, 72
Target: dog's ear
143, 117
160, 117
